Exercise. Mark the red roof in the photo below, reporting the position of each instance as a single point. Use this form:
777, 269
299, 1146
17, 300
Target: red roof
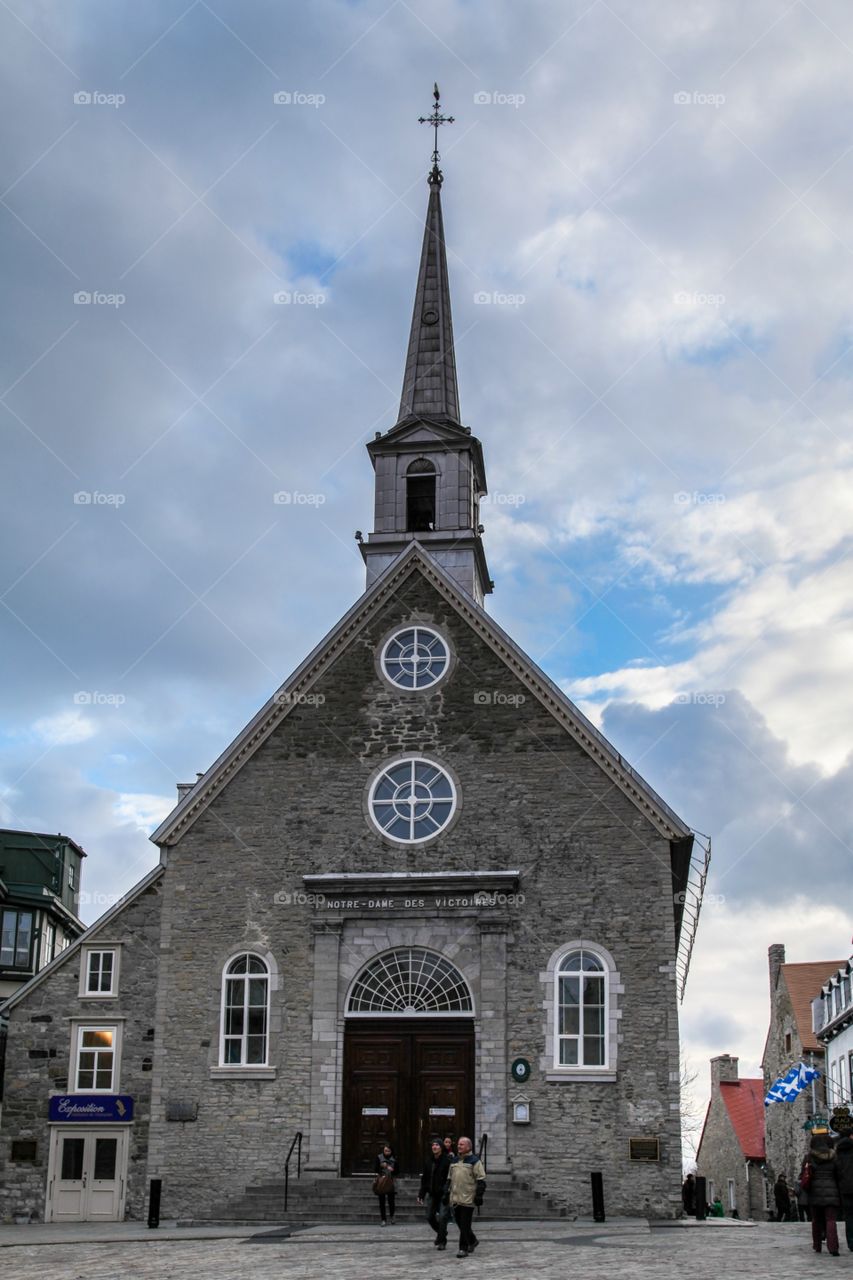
744, 1101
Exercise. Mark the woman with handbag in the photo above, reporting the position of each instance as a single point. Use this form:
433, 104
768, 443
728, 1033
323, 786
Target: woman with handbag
383, 1183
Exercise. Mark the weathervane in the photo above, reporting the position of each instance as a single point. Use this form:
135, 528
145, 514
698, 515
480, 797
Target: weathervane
435, 119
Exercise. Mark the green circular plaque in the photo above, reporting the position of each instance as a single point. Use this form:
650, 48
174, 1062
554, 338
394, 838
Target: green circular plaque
520, 1070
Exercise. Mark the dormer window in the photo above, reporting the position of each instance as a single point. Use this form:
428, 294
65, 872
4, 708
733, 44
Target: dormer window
420, 496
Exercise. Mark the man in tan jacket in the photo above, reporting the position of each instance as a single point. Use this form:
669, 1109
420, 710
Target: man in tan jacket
466, 1183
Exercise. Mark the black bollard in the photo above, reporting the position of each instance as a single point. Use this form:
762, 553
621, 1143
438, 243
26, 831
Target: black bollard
154, 1202
597, 1197
701, 1194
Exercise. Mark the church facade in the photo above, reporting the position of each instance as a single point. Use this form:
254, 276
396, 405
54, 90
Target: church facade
419, 894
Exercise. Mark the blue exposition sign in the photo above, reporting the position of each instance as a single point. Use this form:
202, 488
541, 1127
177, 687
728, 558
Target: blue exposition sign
91, 1106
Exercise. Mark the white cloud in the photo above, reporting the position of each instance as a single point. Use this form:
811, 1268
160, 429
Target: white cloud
65, 728
145, 812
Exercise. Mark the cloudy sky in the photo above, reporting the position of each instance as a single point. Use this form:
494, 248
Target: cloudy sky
650, 235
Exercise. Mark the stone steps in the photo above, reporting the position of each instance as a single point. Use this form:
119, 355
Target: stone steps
321, 1200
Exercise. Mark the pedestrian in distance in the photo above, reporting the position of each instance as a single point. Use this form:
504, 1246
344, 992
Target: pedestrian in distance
431, 1191
716, 1210
688, 1195
824, 1198
782, 1198
464, 1190
448, 1145
384, 1187
804, 1213
842, 1123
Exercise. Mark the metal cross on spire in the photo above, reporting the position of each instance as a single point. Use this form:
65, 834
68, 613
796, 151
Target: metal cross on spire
435, 119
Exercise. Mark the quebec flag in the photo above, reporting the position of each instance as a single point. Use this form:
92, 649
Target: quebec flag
786, 1088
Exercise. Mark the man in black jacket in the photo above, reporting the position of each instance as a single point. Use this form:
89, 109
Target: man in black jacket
431, 1190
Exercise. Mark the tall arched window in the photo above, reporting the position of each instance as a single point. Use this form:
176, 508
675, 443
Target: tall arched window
245, 1012
420, 496
581, 1013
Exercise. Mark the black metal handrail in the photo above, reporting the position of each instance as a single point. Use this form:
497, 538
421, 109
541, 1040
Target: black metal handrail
297, 1143
482, 1150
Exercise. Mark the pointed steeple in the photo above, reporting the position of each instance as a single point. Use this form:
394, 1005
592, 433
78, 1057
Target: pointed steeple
429, 383
430, 474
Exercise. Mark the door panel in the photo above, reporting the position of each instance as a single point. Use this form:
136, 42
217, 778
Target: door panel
86, 1176
421, 1076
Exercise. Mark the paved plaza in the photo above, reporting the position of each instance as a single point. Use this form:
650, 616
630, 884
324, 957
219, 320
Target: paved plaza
510, 1251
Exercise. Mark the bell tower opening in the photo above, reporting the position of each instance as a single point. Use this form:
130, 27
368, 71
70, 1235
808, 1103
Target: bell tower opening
420, 497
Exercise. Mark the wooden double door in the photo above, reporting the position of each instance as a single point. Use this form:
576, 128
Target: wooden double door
404, 1083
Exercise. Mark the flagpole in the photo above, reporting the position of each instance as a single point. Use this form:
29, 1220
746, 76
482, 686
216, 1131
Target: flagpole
814, 1094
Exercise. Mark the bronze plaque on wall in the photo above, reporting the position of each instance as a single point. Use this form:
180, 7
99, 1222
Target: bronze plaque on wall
644, 1149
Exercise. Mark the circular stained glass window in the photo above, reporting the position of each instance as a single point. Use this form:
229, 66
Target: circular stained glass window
412, 800
415, 658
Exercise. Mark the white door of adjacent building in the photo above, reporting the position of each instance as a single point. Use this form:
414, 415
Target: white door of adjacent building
86, 1175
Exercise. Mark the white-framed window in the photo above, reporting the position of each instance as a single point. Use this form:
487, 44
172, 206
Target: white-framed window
582, 991
581, 1010
244, 1038
99, 968
415, 657
732, 1196
411, 800
95, 1057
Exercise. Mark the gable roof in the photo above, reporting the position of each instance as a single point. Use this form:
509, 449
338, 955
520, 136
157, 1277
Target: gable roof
415, 560
804, 982
744, 1102
64, 956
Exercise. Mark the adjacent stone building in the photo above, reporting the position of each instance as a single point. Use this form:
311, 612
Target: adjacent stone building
731, 1154
419, 893
832, 1020
791, 1039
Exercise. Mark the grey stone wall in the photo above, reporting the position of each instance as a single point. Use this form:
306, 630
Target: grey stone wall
785, 1137
592, 867
39, 1046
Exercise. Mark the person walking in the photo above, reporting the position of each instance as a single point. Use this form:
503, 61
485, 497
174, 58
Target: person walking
464, 1190
782, 1198
431, 1191
804, 1213
844, 1163
385, 1169
824, 1200
688, 1195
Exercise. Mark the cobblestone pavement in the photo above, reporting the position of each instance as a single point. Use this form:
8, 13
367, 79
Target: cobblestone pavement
510, 1251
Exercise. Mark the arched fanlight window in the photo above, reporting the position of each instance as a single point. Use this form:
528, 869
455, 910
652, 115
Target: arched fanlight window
245, 1012
410, 980
420, 496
